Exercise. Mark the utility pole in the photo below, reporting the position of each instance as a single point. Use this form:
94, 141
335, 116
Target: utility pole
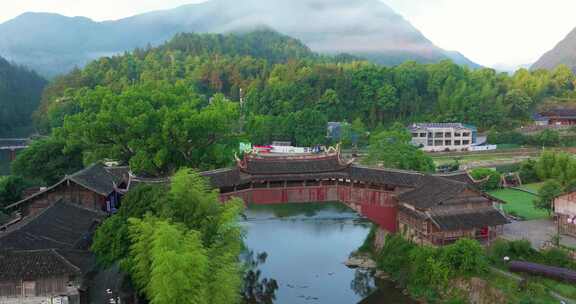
242, 114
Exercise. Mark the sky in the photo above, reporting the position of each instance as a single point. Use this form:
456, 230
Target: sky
497, 33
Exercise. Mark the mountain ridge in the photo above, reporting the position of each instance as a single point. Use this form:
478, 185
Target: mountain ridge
564, 52
364, 28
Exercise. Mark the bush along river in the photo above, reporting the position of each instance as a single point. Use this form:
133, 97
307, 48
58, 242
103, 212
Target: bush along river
296, 253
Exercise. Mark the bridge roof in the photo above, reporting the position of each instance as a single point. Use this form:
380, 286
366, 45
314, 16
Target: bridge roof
12, 143
262, 165
385, 176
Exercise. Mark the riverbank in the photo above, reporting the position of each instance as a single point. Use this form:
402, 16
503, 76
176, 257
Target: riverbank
465, 272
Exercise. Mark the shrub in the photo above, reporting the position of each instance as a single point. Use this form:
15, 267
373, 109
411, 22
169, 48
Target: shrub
492, 178
556, 257
528, 173
394, 257
506, 137
546, 138
428, 273
515, 250
465, 257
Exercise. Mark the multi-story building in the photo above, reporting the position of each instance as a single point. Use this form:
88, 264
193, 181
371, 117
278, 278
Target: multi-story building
437, 137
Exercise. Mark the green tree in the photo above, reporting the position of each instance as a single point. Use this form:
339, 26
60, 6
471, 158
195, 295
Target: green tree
519, 104
11, 188
47, 161
465, 257
156, 129
111, 241
546, 195
392, 149
183, 233
170, 264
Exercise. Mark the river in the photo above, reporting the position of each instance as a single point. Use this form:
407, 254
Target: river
298, 251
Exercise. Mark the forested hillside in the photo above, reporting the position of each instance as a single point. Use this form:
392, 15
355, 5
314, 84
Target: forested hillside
20, 91
54, 44
150, 106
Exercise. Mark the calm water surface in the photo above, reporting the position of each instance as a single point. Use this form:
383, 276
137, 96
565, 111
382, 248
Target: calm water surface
303, 247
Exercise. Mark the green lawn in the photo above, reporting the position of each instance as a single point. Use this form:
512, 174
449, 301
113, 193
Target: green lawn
519, 202
532, 187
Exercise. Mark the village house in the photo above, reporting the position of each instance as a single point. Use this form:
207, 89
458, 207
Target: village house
440, 211
45, 258
559, 116
438, 137
96, 187
565, 211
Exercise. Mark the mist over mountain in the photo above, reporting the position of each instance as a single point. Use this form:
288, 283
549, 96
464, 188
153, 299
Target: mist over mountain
54, 44
563, 53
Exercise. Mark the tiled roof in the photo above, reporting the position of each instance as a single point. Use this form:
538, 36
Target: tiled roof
437, 125
459, 176
61, 226
136, 181
433, 191
474, 218
13, 142
385, 176
559, 112
225, 177
96, 178
284, 165
33, 264
119, 174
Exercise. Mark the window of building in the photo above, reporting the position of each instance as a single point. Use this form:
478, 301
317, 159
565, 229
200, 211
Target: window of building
438, 142
429, 134
414, 134
457, 142
422, 134
439, 134
430, 142
448, 143
448, 134
465, 134
457, 134
465, 142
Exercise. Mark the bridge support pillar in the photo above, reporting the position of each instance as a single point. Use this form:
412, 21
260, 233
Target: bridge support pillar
12, 155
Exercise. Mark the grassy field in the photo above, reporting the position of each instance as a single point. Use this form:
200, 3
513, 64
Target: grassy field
532, 187
485, 159
519, 202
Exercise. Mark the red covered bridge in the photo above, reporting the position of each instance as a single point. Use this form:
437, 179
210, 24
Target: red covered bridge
265, 179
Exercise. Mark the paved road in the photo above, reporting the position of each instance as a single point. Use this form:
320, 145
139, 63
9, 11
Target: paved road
537, 232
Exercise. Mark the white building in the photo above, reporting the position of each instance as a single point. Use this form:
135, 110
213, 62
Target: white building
438, 137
